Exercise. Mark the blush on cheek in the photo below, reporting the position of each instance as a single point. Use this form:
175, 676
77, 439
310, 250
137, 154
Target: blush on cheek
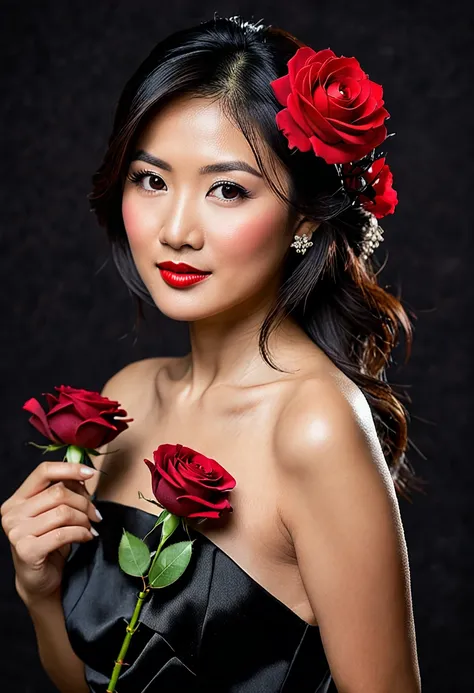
253, 236
133, 220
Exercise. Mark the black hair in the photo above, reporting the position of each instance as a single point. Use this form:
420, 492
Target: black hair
331, 291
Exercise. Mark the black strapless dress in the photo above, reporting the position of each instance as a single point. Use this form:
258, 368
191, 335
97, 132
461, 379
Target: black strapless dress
214, 630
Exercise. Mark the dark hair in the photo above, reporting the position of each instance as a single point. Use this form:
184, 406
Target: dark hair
331, 291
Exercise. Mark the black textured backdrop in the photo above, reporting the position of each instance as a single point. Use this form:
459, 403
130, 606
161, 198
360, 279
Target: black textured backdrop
67, 318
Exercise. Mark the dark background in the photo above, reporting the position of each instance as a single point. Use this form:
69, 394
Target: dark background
67, 317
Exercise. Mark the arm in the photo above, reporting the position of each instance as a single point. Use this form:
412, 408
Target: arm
57, 657
340, 508
59, 660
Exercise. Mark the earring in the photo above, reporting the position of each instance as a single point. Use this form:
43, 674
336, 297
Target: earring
302, 243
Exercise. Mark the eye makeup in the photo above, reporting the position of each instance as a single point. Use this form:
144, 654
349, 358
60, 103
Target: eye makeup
137, 178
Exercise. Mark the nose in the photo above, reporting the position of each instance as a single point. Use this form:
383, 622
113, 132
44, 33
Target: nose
181, 225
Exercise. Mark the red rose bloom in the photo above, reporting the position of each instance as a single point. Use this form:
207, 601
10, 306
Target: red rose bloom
77, 417
331, 106
381, 179
188, 484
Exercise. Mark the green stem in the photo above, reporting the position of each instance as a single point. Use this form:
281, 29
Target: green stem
130, 631
156, 554
131, 627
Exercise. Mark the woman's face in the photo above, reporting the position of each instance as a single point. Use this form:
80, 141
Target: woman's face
226, 222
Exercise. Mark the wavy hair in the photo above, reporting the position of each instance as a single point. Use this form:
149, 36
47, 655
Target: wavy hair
331, 291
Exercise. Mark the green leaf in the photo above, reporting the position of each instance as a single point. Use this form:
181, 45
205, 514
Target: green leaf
161, 518
134, 555
170, 564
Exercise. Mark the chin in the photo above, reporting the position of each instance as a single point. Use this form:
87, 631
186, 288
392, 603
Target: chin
185, 308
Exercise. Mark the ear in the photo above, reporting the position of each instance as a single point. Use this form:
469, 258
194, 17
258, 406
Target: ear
305, 226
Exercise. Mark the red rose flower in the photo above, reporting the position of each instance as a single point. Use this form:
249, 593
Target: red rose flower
331, 106
381, 179
188, 484
77, 417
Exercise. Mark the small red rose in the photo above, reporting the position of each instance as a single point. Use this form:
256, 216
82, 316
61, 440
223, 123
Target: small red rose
380, 178
77, 417
188, 484
331, 106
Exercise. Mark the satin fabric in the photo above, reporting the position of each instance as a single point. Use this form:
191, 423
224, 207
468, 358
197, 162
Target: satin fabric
215, 630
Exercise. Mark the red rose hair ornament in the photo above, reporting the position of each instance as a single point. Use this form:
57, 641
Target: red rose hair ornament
332, 108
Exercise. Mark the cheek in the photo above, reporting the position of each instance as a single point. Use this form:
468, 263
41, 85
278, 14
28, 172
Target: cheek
135, 220
254, 238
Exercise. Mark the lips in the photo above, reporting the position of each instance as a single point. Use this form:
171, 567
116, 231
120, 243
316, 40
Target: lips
180, 268
180, 274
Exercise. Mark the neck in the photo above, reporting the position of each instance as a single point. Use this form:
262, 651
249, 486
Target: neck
225, 351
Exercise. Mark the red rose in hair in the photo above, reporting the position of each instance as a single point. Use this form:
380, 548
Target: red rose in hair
188, 484
381, 179
331, 106
77, 417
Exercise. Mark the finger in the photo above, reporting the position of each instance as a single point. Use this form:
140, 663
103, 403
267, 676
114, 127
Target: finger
78, 487
42, 476
59, 494
59, 516
51, 497
34, 550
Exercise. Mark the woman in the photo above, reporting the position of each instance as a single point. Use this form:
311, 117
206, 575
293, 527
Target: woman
250, 222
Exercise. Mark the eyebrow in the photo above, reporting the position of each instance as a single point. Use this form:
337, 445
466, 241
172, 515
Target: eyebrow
221, 167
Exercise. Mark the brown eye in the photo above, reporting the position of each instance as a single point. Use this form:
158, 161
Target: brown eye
152, 185
155, 182
228, 189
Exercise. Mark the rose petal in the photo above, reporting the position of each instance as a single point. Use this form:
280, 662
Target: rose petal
352, 90
360, 136
217, 504
318, 124
302, 56
338, 153
339, 68
95, 432
160, 469
51, 400
386, 198
39, 419
206, 514
281, 88
64, 423
296, 137
375, 119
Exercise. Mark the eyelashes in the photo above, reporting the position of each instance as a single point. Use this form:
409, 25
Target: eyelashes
137, 178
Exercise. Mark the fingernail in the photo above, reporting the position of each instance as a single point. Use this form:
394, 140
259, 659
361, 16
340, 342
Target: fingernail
87, 471
94, 532
98, 514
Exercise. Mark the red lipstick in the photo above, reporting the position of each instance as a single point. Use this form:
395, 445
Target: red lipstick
180, 274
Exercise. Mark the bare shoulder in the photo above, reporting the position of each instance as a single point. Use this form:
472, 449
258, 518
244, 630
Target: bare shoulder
132, 382
340, 508
325, 416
